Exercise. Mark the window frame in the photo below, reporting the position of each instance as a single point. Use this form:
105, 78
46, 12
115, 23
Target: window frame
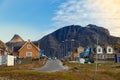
29, 54
29, 46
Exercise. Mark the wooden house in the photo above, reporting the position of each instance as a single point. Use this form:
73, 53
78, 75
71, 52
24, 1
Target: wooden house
29, 50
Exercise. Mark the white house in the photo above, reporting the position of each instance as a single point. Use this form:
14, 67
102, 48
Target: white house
99, 50
109, 50
105, 53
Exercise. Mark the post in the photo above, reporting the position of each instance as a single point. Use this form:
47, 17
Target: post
66, 47
96, 55
63, 49
71, 47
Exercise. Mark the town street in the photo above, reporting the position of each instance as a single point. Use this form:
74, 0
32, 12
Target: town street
52, 66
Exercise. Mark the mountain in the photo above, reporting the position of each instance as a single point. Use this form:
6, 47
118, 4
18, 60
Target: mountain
70, 37
16, 38
15, 41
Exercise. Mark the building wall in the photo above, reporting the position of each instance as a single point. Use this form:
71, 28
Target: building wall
106, 54
109, 51
1, 52
15, 53
80, 49
99, 50
24, 50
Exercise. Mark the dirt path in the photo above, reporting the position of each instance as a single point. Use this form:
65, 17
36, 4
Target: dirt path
52, 66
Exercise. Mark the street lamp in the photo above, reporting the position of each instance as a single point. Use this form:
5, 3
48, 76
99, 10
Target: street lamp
96, 55
66, 47
63, 48
71, 47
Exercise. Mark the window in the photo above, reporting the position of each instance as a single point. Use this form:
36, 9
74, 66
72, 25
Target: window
29, 46
109, 50
99, 50
29, 54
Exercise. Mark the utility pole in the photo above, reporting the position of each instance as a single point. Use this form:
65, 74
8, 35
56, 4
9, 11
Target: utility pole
66, 47
71, 47
96, 55
63, 49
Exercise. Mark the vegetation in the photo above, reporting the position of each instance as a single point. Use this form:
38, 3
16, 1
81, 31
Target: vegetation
110, 71
117, 47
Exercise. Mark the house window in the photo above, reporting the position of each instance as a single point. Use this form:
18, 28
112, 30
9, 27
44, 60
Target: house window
28, 54
109, 50
99, 50
29, 46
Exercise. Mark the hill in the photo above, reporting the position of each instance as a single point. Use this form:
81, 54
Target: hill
70, 37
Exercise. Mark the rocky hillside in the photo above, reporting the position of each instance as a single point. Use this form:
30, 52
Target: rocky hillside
16, 38
70, 37
18, 42
15, 41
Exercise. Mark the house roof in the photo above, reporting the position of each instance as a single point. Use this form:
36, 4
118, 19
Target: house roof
16, 46
33, 44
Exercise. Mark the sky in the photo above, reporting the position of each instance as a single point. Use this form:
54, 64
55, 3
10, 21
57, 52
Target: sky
33, 19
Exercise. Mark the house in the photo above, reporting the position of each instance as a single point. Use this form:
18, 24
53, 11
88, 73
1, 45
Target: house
29, 50
117, 57
98, 53
104, 53
80, 49
3, 51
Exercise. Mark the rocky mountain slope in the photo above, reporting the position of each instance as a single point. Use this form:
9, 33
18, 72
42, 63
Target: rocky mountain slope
16, 38
70, 37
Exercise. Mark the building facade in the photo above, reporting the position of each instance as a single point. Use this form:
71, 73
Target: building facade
104, 53
29, 50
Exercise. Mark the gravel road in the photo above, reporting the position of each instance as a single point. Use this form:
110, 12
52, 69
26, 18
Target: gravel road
52, 66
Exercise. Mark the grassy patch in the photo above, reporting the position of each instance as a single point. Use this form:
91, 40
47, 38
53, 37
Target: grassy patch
76, 71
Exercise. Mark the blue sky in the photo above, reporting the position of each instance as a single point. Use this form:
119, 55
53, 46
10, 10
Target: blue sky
33, 19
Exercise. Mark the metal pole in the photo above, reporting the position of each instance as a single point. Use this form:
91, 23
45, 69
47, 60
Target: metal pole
63, 49
71, 47
66, 47
96, 55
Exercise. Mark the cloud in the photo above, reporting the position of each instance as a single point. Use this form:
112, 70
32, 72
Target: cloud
83, 12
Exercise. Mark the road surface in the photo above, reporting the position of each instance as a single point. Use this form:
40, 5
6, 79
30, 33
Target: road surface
52, 66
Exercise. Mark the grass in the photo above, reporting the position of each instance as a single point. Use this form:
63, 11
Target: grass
110, 71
